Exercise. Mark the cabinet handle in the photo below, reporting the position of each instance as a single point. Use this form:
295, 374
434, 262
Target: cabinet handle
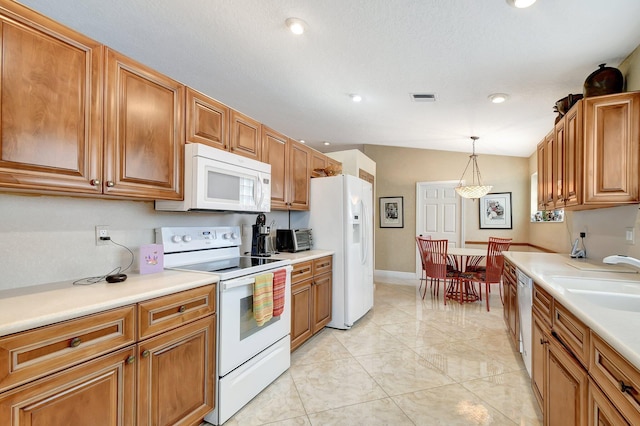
95, 182
146, 353
131, 359
182, 309
110, 183
543, 341
75, 342
626, 388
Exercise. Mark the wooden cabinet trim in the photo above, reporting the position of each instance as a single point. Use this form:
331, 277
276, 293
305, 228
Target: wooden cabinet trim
165, 313
34, 353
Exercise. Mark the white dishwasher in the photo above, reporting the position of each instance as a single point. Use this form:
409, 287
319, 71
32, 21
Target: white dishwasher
525, 301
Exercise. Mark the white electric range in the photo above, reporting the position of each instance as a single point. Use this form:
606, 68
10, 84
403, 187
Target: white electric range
249, 357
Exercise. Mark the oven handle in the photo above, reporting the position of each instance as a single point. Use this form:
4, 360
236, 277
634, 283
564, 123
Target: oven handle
240, 282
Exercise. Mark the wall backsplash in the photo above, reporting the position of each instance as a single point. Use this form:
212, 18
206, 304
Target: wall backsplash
52, 238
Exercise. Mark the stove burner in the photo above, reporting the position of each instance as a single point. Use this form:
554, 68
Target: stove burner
228, 265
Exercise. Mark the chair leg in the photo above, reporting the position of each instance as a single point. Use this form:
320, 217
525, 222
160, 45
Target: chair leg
487, 295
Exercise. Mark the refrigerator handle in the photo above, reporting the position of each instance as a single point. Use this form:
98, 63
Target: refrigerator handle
363, 234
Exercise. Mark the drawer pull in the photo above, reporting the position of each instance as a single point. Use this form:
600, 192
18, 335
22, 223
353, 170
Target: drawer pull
131, 359
75, 342
146, 353
182, 309
543, 341
626, 388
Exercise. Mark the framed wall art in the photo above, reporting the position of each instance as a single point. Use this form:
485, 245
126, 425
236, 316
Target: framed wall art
391, 212
495, 211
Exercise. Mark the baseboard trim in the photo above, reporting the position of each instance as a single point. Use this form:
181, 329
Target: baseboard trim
392, 277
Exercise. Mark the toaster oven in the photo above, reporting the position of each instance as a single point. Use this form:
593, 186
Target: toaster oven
293, 240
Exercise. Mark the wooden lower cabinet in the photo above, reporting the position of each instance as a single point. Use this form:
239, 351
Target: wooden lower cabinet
539, 343
601, 411
311, 296
510, 297
566, 388
176, 375
93, 371
100, 392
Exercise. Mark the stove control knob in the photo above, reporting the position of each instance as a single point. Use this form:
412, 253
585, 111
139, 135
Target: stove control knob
186, 238
227, 236
234, 236
176, 238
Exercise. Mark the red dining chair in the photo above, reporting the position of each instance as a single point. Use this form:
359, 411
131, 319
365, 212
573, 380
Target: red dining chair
492, 274
473, 264
437, 267
421, 250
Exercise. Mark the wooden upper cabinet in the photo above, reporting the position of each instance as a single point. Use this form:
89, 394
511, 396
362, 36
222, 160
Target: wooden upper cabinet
549, 166
207, 120
245, 136
541, 177
300, 166
275, 151
51, 97
144, 148
559, 163
612, 142
318, 161
573, 156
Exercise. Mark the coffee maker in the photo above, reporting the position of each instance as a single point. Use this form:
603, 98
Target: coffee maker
259, 237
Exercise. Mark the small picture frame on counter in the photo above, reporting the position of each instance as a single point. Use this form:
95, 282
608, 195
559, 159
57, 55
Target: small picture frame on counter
151, 258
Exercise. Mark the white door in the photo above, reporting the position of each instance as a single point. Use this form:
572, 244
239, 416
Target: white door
438, 214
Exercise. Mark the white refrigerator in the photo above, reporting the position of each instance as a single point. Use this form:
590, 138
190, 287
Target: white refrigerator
341, 219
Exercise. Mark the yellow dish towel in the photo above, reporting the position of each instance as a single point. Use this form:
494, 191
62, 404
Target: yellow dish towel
263, 298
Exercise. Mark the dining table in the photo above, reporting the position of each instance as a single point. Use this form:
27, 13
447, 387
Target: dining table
463, 259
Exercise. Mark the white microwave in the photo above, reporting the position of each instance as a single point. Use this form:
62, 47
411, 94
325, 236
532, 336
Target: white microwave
221, 181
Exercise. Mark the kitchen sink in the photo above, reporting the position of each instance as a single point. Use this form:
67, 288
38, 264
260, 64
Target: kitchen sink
609, 300
609, 293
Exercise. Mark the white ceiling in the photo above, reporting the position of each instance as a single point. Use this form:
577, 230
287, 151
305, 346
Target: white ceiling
240, 53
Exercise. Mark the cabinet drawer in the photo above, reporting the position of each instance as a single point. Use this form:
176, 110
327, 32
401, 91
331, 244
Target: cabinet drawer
510, 271
165, 313
301, 271
322, 265
31, 354
572, 332
619, 380
600, 411
542, 303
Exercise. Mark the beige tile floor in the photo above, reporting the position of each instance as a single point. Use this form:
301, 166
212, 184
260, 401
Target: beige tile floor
407, 362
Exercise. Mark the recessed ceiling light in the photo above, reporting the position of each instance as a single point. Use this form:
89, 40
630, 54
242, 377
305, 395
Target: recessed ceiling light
498, 98
521, 4
356, 98
296, 25
327, 143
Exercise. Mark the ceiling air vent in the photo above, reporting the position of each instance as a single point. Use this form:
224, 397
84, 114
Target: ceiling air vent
423, 97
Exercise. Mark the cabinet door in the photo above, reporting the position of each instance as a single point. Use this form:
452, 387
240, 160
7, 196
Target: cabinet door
301, 309
601, 410
539, 345
573, 155
176, 375
549, 171
541, 149
144, 147
514, 315
322, 295
566, 389
98, 393
506, 290
275, 151
300, 166
318, 161
612, 141
559, 163
50, 105
245, 136
207, 121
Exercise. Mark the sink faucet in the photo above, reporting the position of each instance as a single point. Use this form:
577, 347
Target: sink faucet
621, 258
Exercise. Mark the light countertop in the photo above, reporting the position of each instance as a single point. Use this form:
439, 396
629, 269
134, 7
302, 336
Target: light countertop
619, 328
35, 306
302, 256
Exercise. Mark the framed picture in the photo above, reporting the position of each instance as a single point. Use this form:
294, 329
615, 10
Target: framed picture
391, 212
495, 211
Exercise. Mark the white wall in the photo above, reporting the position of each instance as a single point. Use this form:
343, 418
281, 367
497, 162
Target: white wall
52, 238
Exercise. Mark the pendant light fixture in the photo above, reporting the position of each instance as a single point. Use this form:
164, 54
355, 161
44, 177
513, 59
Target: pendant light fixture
476, 189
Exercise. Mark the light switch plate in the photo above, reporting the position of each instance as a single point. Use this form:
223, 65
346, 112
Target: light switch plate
630, 235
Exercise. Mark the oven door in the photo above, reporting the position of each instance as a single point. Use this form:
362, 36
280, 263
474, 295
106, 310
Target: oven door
240, 338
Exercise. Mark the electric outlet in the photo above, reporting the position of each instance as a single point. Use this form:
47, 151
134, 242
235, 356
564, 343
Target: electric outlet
583, 234
630, 236
102, 231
